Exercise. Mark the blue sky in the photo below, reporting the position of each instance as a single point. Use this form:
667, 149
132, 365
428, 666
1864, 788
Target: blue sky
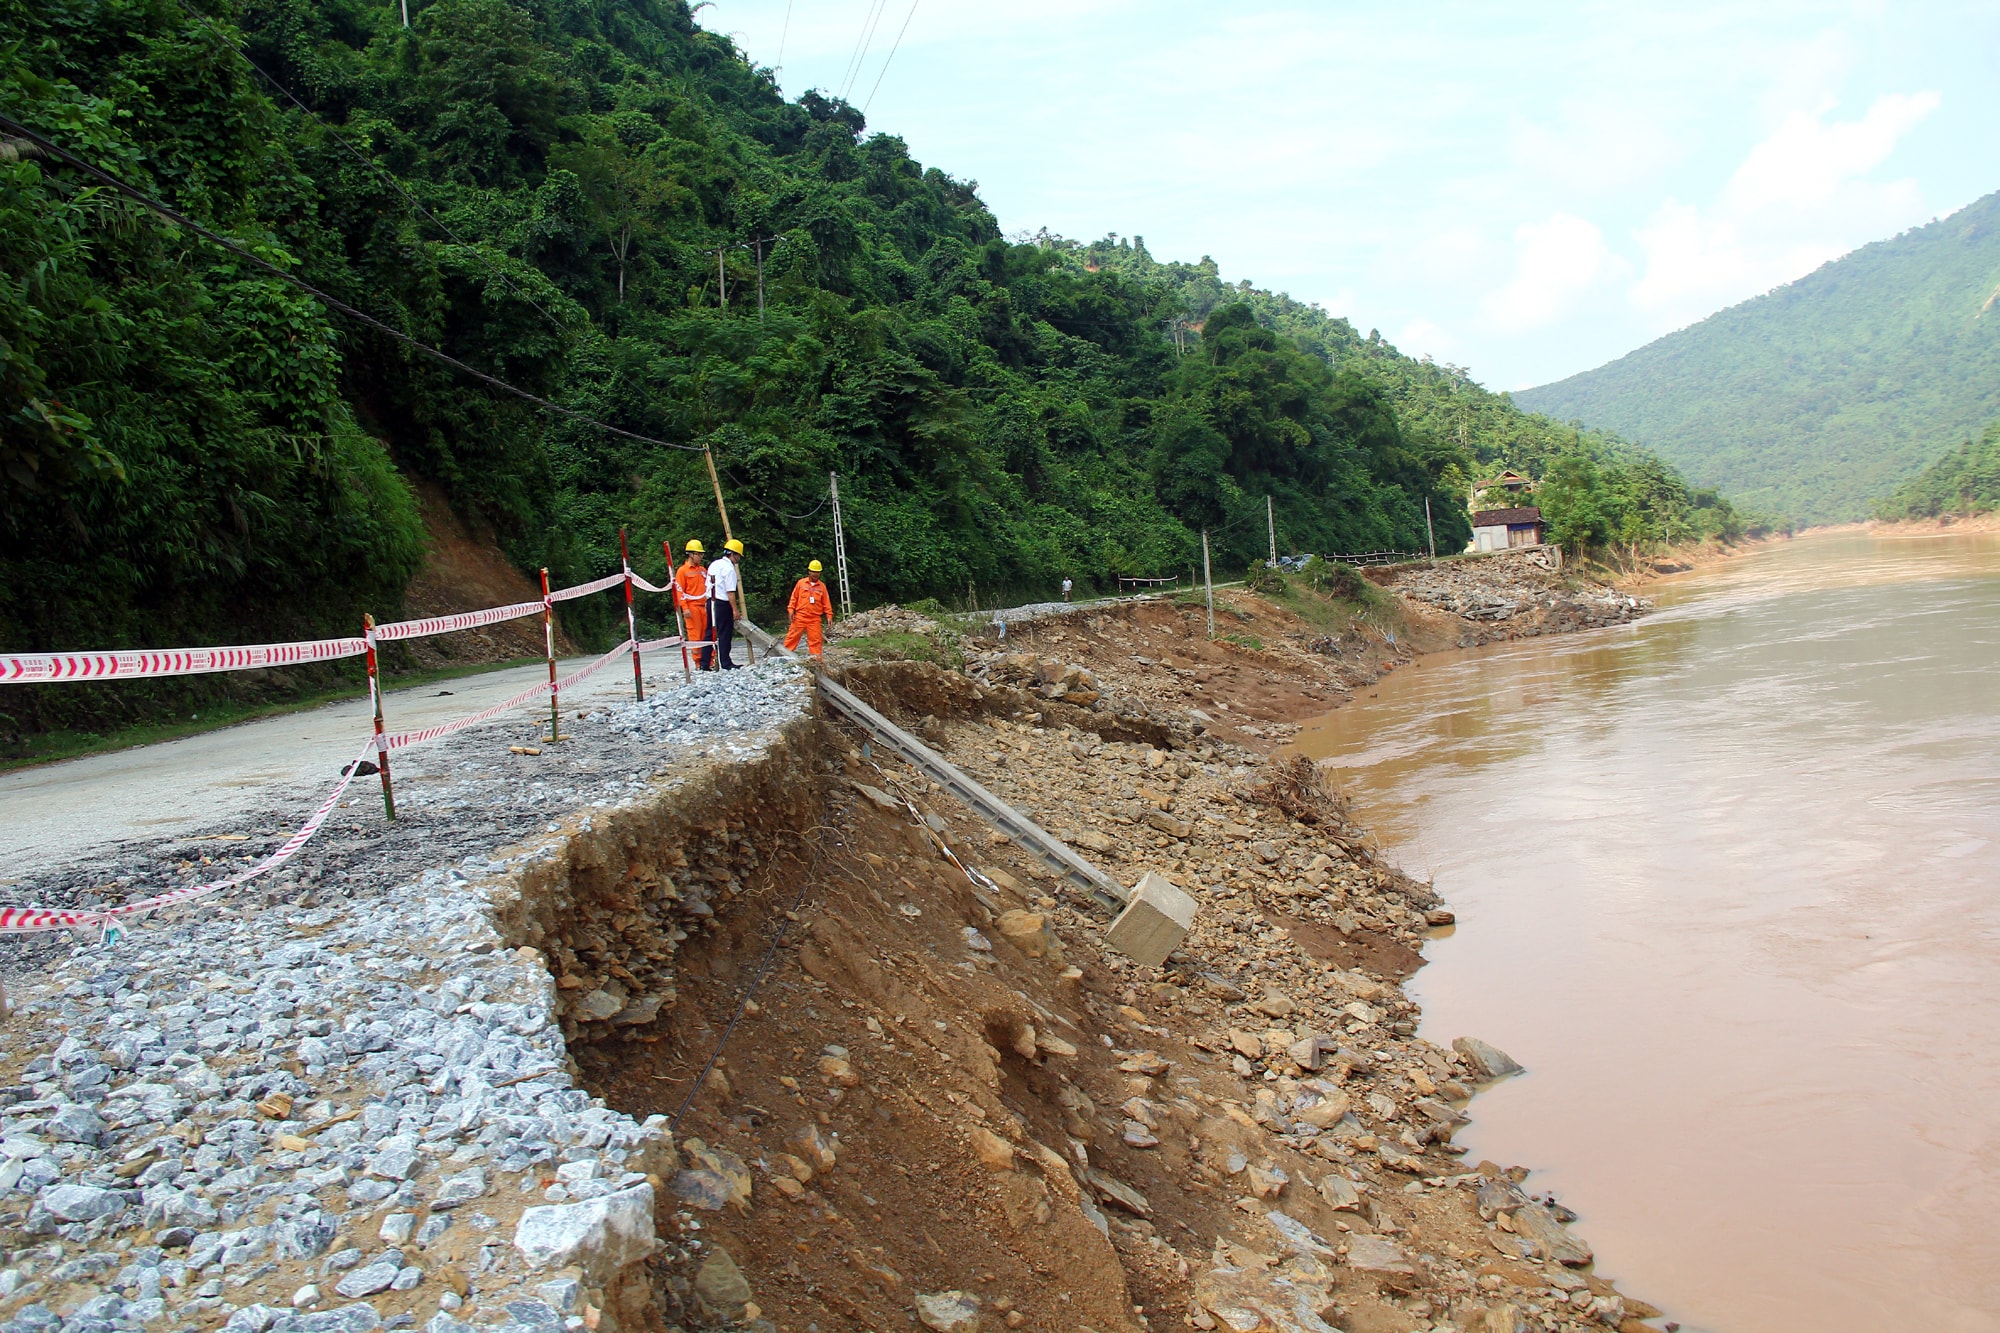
1527, 194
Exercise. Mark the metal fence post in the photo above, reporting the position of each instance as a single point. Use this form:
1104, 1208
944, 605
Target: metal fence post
631, 621
375, 698
549, 647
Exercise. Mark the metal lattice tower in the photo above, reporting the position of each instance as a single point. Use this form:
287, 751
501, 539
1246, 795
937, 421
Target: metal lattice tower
839, 546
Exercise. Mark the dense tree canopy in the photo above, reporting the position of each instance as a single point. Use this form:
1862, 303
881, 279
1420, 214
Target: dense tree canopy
1607, 491
1964, 482
605, 205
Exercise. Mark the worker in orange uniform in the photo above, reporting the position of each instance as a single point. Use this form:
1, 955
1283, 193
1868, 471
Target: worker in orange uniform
691, 591
812, 609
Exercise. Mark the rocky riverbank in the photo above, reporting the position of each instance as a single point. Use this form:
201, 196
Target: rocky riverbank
1512, 594
685, 1023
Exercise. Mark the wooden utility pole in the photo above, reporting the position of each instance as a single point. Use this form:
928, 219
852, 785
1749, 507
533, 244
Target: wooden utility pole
728, 536
716, 482
1208, 583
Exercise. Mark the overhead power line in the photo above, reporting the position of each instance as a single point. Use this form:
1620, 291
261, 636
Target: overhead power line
891, 56
139, 196
751, 494
369, 161
869, 23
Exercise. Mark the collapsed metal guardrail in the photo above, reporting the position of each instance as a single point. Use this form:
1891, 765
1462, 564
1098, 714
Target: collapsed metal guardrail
1022, 831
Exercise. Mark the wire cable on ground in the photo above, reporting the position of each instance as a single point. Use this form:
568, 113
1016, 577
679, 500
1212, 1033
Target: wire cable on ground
139, 196
891, 56
368, 161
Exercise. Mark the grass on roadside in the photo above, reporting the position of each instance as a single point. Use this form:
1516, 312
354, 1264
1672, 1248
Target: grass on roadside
1329, 597
899, 645
49, 746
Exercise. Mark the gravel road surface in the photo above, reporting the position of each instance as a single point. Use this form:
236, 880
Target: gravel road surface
57, 812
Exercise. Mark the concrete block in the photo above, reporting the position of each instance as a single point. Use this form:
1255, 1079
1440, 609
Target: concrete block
1157, 917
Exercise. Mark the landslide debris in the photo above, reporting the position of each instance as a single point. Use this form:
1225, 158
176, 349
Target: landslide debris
741, 1048
1511, 594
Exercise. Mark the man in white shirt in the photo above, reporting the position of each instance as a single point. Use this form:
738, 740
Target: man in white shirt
725, 600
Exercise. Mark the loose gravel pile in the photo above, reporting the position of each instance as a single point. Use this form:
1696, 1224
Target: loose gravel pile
718, 706
338, 1101
1515, 584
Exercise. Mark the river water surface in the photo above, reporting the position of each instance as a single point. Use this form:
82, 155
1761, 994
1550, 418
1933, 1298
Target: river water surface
1728, 884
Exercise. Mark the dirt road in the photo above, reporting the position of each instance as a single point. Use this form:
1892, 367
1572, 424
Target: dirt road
58, 812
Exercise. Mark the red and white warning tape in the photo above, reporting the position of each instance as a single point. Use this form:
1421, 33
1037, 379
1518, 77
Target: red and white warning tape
404, 739
25, 920
122, 665
585, 589
419, 629
27, 668
33, 668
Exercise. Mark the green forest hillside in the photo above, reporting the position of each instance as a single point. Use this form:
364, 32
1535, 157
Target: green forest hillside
196, 451
1964, 482
1817, 398
1599, 489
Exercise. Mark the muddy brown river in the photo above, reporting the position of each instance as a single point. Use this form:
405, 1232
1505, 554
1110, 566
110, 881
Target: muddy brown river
1728, 884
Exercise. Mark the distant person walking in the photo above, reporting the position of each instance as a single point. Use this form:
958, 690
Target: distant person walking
725, 600
1065, 587
812, 611
691, 592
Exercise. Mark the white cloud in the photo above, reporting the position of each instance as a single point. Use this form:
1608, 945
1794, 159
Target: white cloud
1395, 164
1796, 201
1420, 337
1556, 261
1807, 160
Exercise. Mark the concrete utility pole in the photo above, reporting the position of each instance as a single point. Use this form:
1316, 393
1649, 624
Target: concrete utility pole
1271, 523
1429, 531
839, 545
1208, 583
756, 244
721, 274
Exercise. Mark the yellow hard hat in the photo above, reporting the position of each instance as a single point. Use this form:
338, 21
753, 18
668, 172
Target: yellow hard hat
815, 566
695, 548
733, 545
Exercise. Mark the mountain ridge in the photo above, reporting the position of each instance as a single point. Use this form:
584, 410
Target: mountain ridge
1819, 397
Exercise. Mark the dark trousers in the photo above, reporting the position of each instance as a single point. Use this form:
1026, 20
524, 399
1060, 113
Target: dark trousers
722, 628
